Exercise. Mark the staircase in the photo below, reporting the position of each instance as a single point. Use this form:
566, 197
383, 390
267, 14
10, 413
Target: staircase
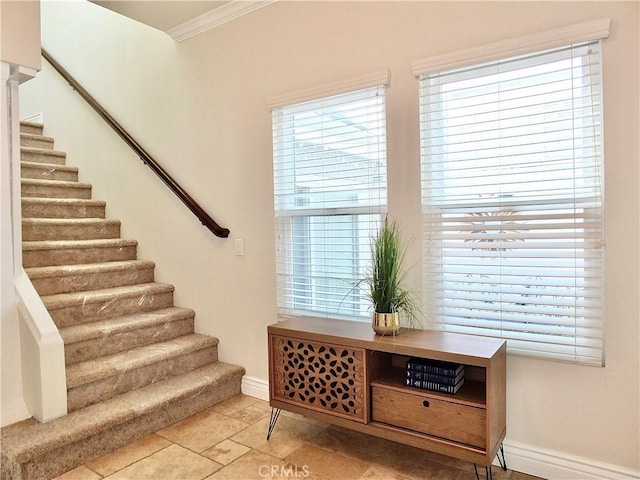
133, 362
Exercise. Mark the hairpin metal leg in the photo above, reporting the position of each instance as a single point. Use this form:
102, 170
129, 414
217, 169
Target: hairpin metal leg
487, 471
503, 461
275, 413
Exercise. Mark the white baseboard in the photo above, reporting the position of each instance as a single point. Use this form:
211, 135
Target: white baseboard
532, 460
556, 465
255, 387
35, 118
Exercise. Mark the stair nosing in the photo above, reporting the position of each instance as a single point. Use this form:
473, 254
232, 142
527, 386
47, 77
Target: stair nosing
37, 245
121, 362
64, 300
86, 268
70, 221
64, 201
41, 165
54, 183
89, 331
37, 136
43, 151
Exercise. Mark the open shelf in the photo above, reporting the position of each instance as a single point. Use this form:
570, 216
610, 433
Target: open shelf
472, 393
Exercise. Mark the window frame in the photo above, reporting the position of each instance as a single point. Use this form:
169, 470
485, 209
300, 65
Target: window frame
469, 58
285, 218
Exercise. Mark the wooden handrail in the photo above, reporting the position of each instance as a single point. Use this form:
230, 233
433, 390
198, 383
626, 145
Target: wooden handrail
148, 160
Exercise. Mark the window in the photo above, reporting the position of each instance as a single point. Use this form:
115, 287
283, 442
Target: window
512, 176
330, 194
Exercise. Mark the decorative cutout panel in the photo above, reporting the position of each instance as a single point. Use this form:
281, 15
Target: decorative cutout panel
319, 376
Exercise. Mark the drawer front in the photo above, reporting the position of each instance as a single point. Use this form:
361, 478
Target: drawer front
424, 414
319, 376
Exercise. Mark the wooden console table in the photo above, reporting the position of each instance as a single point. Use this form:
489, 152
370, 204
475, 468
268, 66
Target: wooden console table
342, 373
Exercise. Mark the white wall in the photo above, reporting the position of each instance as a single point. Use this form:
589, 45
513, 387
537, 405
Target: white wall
199, 106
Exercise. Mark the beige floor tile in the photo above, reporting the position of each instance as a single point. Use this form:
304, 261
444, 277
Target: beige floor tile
234, 404
303, 418
436, 471
288, 436
226, 452
326, 463
128, 454
202, 430
171, 463
379, 473
252, 413
80, 473
254, 464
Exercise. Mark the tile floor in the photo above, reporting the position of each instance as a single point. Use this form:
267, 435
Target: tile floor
228, 442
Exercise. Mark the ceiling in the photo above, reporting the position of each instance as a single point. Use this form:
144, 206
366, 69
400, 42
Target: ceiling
182, 19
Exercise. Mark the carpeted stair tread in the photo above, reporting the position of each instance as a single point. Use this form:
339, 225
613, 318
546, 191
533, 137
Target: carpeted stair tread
48, 171
42, 155
91, 340
29, 439
111, 365
27, 126
36, 187
44, 253
53, 183
62, 201
91, 276
77, 244
112, 326
61, 270
39, 229
43, 207
102, 295
35, 140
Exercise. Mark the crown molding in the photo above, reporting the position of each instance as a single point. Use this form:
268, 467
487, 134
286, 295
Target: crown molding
219, 16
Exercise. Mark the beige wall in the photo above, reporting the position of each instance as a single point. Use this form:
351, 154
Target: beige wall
20, 32
199, 106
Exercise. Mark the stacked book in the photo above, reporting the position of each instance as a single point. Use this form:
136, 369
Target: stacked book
434, 375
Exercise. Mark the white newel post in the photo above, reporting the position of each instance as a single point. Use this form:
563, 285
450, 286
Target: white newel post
33, 371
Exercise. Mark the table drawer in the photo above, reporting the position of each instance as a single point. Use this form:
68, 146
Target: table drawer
430, 415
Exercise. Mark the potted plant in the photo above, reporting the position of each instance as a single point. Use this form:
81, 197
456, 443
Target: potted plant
388, 295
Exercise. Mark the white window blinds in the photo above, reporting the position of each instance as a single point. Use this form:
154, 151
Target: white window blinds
330, 194
512, 199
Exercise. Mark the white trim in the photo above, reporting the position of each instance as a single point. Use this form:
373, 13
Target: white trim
216, 17
380, 77
255, 387
558, 37
35, 118
551, 464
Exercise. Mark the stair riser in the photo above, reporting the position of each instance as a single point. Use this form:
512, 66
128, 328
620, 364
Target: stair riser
56, 191
80, 282
43, 157
38, 232
48, 172
68, 457
36, 142
104, 389
119, 342
32, 129
77, 256
95, 311
44, 210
